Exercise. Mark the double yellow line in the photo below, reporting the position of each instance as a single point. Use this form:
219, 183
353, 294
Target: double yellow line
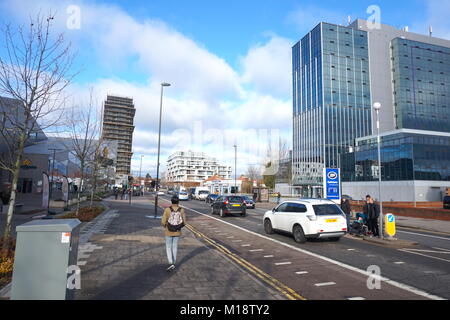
281, 287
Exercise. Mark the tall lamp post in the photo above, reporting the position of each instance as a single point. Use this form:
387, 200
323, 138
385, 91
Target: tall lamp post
52, 183
235, 169
140, 170
377, 107
164, 84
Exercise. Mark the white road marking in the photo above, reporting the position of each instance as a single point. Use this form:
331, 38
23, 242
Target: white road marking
230, 237
357, 298
325, 284
399, 262
282, 263
236, 241
302, 272
245, 245
429, 251
256, 250
351, 249
425, 235
441, 249
425, 255
270, 256
346, 266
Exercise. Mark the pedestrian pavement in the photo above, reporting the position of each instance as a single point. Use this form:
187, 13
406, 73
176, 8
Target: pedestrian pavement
127, 261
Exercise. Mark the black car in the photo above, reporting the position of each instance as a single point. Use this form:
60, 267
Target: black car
447, 202
211, 198
226, 205
249, 202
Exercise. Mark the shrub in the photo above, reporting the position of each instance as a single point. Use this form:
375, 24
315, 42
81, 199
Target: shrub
85, 214
7, 264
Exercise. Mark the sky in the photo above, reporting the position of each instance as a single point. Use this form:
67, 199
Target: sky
228, 62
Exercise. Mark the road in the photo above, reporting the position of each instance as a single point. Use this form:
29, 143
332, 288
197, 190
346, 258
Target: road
425, 267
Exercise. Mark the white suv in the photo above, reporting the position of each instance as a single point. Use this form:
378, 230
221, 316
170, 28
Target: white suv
307, 219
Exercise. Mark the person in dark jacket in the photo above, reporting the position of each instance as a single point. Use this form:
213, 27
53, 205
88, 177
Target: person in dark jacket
345, 206
372, 212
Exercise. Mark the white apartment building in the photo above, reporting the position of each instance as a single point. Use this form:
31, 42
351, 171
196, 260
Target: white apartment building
189, 166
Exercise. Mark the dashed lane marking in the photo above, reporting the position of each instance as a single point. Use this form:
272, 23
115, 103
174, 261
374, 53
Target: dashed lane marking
282, 263
269, 256
256, 250
302, 272
357, 298
325, 284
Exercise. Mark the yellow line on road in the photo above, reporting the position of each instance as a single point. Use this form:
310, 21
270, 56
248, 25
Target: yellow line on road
281, 287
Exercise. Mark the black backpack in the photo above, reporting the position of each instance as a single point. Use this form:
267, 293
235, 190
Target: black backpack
175, 227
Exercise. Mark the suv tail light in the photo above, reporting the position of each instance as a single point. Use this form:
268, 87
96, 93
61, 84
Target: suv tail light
225, 202
312, 218
245, 202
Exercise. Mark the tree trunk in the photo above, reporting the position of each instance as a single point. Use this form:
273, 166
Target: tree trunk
12, 199
80, 188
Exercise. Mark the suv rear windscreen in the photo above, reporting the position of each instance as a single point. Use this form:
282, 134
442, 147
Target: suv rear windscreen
235, 199
203, 192
447, 199
327, 210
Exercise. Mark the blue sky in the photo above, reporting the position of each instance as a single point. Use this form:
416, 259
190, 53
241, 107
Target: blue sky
228, 61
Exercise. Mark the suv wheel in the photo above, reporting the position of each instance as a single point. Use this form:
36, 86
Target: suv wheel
221, 213
268, 226
212, 210
299, 235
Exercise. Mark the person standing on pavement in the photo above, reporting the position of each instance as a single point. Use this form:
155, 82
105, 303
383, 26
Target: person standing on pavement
278, 198
345, 206
372, 212
173, 218
255, 196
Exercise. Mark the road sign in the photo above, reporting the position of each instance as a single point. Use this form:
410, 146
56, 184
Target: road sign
332, 184
390, 224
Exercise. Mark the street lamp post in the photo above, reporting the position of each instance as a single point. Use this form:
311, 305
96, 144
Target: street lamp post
377, 107
164, 84
235, 169
52, 183
140, 170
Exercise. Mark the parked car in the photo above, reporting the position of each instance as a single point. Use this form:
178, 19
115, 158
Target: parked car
226, 205
161, 193
447, 202
307, 219
211, 198
249, 202
183, 196
201, 193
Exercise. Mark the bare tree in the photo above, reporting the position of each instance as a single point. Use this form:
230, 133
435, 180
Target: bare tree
83, 131
253, 172
34, 71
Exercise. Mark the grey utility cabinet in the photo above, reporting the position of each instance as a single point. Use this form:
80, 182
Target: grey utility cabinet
44, 251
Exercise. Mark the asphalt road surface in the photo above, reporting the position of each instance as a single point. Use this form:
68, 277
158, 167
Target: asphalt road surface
425, 267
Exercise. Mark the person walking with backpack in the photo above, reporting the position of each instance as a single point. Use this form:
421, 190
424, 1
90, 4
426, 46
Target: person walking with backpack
173, 220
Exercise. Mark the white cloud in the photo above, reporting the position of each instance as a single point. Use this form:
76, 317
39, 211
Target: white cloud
231, 106
437, 12
268, 67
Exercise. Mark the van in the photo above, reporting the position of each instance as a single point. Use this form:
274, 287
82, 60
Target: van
201, 193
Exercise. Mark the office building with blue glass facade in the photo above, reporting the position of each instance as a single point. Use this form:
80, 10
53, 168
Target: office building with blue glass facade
332, 103
338, 73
